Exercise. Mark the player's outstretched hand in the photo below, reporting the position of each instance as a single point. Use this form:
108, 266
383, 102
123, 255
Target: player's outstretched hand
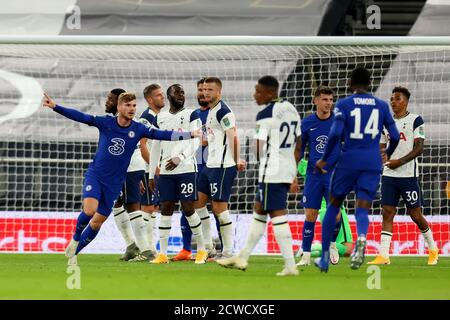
241, 165
320, 164
172, 163
196, 133
47, 101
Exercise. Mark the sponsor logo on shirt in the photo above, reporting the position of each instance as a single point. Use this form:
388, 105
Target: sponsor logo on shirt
117, 148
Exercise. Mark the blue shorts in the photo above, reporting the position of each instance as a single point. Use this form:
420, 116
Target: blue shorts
272, 196
106, 194
393, 188
317, 186
150, 198
174, 187
131, 188
364, 182
217, 182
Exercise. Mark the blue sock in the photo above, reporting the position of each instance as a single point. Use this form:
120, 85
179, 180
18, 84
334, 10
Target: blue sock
218, 231
186, 233
362, 221
86, 237
308, 236
328, 225
82, 222
337, 228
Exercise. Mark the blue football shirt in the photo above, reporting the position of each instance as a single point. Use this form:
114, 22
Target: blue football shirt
315, 135
364, 117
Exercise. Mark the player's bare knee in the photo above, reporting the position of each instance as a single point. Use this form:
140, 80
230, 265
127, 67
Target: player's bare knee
388, 213
132, 207
97, 221
257, 207
415, 214
362, 203
218, 207
188, 208
167, 208
311, 215
277, 213
335, 201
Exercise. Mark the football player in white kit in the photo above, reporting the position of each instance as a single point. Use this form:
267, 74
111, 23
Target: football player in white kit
178, 170
216, 179
279, 141
401, 177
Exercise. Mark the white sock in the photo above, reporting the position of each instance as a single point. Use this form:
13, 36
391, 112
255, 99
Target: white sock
255, 232
385, 244
206, 227
140, 230
428, 235
150, 221
165, 224
284, 239
196, 227
154, 229
226, 229
123, 224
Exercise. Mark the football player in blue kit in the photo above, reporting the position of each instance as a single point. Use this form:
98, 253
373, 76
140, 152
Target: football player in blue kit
106, 174
359, 121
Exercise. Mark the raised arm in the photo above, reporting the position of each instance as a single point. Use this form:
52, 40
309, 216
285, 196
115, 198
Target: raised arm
166, 135
71, 114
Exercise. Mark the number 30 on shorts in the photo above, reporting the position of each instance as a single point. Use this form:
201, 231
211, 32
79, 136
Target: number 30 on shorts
187, 188
411, 195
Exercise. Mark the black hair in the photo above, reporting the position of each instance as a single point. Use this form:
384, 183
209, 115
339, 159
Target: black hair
201, 81
174, 85
269, 82
117, 91
360, 77
402, 90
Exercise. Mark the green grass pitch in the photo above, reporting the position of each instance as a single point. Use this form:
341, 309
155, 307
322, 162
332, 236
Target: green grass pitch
43, 276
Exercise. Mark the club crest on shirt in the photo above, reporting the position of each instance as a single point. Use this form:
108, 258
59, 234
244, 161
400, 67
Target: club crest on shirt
131, 134
226, 122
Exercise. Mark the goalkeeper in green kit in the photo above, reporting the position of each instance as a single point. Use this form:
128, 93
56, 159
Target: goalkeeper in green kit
344, 240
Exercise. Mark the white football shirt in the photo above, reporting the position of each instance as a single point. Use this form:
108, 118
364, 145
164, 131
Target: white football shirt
163, 151
220, 118
279, 125
137, 163
410, 127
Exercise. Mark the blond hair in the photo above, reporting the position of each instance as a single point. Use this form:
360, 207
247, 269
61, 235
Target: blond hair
126, 97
